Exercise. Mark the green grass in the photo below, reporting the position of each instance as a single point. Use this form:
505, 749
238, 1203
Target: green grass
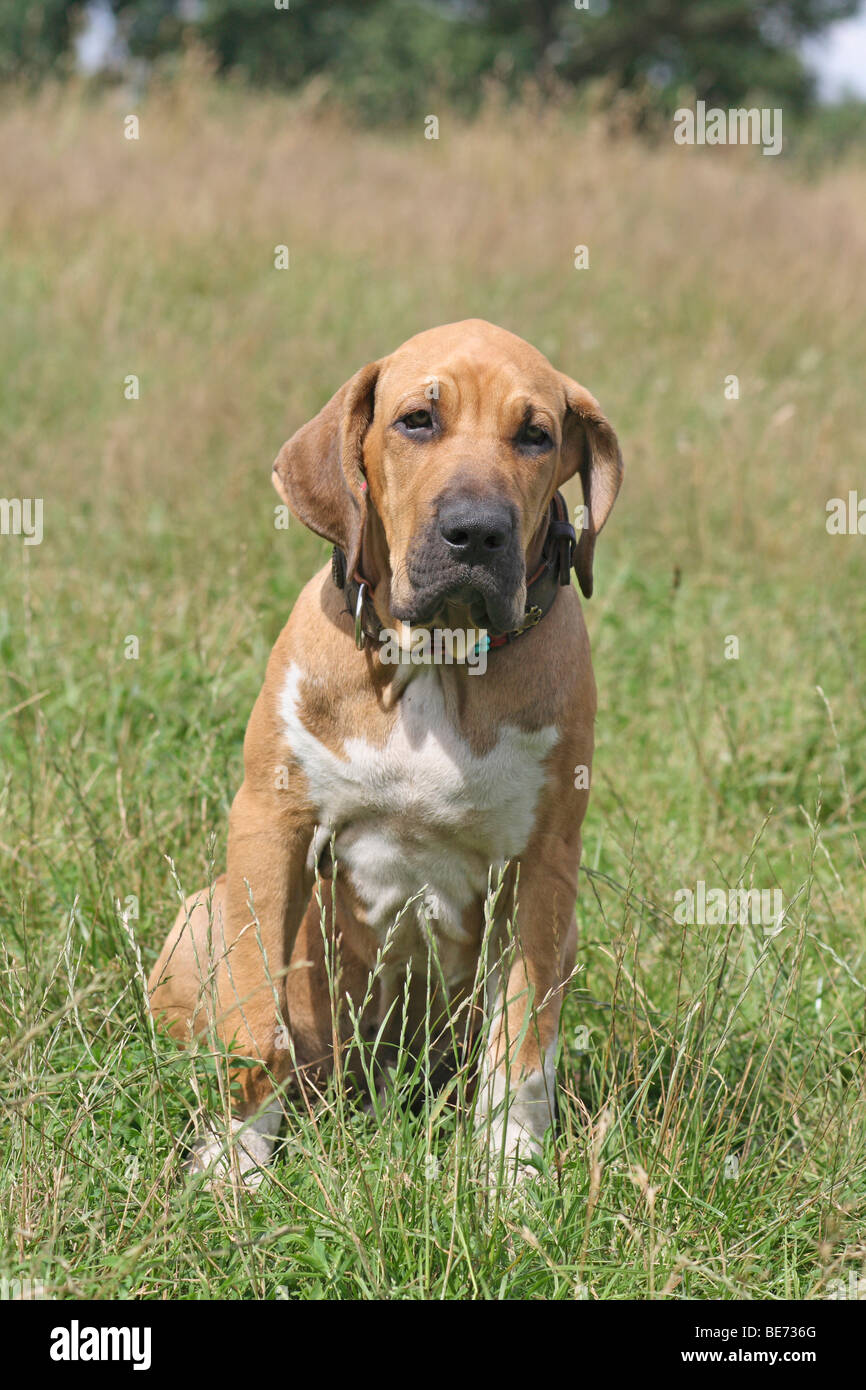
712, 1140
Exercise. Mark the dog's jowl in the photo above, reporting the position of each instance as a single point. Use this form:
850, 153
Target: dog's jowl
424, 781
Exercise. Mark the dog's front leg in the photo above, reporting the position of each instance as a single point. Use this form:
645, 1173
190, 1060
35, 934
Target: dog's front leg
268, 887
516, 1102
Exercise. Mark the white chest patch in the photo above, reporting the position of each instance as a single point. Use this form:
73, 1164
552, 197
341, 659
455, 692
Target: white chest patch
423, 813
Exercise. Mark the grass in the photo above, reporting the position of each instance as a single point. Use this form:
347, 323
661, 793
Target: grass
712, 1140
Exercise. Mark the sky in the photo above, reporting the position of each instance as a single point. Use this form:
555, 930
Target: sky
838, 58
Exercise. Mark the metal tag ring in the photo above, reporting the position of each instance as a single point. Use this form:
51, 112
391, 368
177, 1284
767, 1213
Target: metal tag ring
360, 636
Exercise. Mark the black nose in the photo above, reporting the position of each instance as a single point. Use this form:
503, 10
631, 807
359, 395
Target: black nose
475, 531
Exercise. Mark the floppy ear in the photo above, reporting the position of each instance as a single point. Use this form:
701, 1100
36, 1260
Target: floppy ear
590, 448
319, 471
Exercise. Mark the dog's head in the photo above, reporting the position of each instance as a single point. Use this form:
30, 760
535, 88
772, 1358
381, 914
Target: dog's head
441, 460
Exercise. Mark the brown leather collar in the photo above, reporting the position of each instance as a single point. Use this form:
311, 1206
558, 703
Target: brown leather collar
552, 574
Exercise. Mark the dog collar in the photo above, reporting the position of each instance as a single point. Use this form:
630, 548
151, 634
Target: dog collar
552, 574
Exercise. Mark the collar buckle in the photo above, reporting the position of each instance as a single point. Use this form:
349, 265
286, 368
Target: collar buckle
532, 616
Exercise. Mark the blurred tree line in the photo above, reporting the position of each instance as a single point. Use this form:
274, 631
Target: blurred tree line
388, 59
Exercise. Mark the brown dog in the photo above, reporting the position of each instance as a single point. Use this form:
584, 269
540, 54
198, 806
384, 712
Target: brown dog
435, 474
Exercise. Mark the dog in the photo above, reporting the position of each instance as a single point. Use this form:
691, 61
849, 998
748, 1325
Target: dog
383, 801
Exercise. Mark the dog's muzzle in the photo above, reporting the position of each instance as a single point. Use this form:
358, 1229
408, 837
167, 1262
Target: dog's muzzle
469, 554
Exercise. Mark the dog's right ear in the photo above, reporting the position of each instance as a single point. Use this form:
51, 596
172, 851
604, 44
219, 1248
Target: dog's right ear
319, 471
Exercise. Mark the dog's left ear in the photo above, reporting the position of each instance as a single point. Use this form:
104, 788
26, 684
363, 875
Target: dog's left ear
590, 448
319, 471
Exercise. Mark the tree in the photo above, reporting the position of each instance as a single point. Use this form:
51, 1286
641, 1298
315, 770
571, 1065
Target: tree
389, 58
34, 38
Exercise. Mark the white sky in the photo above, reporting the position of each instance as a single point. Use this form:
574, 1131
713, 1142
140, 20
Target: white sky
839, 59
94, 40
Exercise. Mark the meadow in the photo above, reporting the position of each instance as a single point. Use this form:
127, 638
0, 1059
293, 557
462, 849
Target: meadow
712, 1140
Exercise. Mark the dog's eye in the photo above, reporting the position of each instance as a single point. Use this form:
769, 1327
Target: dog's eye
416, 420
534, 435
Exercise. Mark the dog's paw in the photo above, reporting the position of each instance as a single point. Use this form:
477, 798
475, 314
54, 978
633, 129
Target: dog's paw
514, 1155
239, 1158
